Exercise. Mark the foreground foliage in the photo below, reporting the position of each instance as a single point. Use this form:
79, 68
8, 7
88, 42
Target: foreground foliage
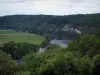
80, 58
7, 65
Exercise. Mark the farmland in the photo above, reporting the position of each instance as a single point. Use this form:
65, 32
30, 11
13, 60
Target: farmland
11, 35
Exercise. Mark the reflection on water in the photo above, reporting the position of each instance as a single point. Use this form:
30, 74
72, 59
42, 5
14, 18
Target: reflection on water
62, 43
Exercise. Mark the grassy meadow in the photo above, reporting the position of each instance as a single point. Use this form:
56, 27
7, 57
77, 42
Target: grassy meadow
11, 35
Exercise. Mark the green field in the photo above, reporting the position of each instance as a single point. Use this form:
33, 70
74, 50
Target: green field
11, 35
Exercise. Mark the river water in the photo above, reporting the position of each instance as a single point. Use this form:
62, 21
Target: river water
61, 43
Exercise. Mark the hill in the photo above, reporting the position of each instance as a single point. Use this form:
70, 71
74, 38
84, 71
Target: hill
67, 25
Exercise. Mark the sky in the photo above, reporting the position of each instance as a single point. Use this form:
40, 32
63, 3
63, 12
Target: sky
49, 7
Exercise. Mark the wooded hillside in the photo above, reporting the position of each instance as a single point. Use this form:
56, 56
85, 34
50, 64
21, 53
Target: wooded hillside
50, 24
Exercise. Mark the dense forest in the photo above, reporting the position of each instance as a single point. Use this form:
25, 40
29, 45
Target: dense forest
67, 25
80, 57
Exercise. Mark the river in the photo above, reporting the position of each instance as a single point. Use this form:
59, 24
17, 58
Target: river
61, 43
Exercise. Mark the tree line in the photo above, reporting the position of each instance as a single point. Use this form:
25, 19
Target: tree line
49, 24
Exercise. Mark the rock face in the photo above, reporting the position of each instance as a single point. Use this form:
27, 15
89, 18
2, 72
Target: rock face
67, 28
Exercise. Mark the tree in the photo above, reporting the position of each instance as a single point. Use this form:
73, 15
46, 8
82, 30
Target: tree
45, 42
58, 65
17, 50
22, 49
7, 65
85, 67
96, 64
85, 45
9, 48
31, 62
